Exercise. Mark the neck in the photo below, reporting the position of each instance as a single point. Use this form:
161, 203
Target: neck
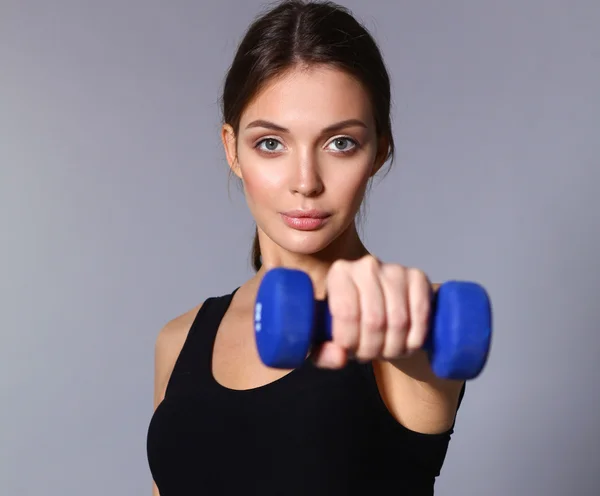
348, 246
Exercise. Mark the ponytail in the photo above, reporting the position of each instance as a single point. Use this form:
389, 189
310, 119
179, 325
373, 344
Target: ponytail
256, 255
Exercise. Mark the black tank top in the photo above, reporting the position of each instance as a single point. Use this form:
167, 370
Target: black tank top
313, 432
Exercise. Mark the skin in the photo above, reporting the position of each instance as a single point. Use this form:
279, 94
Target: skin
287, 158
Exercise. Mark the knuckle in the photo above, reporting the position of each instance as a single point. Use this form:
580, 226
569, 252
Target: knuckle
367, 352
373, 322
420, 278
345, 312
422, 309
362, 357
415, 341
398, 322
394, 348
393, 352
370, 263
346, 338
416, 273
339, 263
394, 272
338, 267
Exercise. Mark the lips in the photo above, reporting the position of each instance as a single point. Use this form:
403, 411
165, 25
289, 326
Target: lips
305, 220
306, 214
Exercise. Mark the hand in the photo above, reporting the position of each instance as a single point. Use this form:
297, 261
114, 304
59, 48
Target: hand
378, 311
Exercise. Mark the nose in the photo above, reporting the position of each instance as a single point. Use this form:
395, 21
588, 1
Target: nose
306, 178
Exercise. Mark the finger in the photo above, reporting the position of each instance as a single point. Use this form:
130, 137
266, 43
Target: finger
329, 355
395, 291
344, 306
419, 302
372, 309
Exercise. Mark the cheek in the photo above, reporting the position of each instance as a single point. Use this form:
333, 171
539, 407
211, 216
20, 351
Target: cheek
262, 182
349, 187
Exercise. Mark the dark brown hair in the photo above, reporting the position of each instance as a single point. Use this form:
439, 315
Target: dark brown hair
306, 32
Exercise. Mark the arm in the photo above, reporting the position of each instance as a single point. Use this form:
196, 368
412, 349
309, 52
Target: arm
415, 396
168, 345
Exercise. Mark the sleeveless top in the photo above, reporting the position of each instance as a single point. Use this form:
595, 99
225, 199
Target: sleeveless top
313, 432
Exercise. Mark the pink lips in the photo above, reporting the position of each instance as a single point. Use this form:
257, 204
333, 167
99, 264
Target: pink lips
305, 220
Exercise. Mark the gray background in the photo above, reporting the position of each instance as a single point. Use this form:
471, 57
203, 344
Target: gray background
116, 216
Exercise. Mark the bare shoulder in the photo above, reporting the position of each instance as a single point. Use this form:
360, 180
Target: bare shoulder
168, 345
169, 342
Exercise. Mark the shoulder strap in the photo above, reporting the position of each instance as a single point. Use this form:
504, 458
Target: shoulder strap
193, 366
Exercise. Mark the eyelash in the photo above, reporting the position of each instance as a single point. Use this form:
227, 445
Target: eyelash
355, 145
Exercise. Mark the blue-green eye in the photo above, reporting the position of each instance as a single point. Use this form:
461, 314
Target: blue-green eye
342, 144
268, 145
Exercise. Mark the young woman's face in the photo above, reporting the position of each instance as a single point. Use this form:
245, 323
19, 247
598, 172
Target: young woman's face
306, 146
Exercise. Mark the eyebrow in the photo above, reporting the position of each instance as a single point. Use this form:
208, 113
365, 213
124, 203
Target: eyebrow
329, 129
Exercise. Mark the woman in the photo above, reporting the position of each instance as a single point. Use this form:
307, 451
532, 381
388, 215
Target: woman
306, 110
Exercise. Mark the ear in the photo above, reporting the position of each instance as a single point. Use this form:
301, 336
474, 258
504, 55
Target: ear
382, 153
230, 146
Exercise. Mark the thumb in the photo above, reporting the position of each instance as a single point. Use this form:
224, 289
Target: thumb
329, 356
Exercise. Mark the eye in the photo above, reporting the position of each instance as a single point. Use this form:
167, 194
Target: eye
268, 145
342, 144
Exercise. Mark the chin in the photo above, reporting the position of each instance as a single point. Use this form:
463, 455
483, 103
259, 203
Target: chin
303, 242
311, 247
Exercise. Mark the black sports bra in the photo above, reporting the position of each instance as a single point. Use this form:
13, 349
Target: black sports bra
313, 432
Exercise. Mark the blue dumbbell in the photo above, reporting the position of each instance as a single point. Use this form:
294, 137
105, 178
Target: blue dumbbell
288, 321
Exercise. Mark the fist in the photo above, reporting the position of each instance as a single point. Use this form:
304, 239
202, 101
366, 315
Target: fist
378, 311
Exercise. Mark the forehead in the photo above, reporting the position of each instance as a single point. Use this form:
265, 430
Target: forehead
314, 96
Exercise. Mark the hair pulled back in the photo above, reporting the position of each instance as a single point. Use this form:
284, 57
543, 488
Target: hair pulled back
296, 32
